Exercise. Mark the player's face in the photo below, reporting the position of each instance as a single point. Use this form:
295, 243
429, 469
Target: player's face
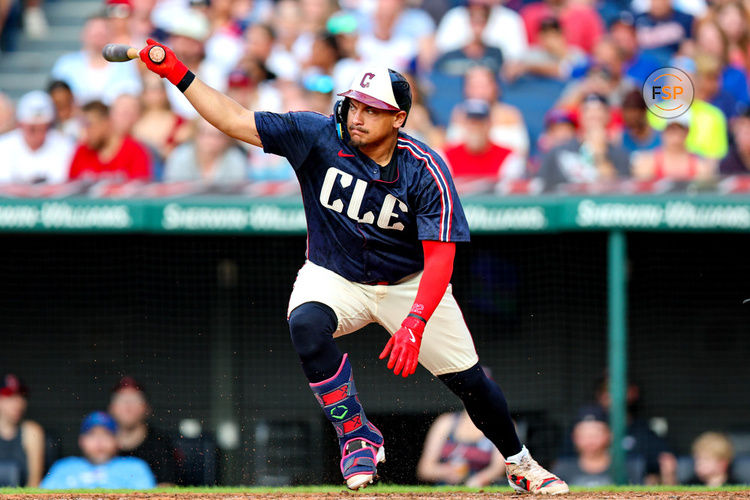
368, 125
98, 445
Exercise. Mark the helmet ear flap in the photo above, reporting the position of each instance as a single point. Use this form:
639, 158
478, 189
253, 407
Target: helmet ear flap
340, 112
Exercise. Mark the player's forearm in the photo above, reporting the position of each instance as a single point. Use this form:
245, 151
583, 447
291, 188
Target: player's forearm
438, 268
223, 112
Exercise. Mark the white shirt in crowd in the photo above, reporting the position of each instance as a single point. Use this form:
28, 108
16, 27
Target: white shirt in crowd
103, 83
505, 30
50, 163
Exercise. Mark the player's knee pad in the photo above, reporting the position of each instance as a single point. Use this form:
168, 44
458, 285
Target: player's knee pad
311, 326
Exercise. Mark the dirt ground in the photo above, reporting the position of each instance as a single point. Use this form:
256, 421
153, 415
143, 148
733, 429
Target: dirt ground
620, 495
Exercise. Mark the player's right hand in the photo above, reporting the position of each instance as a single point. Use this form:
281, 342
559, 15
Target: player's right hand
170, 68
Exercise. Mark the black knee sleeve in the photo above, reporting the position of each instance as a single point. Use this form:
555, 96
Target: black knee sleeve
311, 326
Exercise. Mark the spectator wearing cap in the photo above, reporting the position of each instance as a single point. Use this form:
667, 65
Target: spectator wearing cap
212, 157
508, 128
66, 110
737, 161
475, 52
476, 156
581, 24
7, 114
135, 437
662, 29
21, 441
89, 76
503, 29
673, 160
638, 64
106, 154
119, 15
100, 467
551, 57
318, 93
591, 467
188, 31
559, 128
637, 133
591, 158
35, 152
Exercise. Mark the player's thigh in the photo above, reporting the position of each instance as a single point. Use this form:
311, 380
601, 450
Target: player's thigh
447, 345
315, 283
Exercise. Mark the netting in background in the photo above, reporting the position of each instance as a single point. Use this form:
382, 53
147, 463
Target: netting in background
201, 320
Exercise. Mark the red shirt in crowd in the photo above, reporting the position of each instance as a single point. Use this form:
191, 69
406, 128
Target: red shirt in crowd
130, 162
581, 25
488, 164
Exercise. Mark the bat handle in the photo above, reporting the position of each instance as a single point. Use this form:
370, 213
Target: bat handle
132, 53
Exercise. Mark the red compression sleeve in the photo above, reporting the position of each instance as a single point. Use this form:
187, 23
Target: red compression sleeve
438, 268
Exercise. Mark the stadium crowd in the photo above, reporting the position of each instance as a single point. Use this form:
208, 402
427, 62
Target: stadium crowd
521, 96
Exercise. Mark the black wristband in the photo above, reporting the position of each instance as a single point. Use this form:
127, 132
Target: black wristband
186, 81
420, 318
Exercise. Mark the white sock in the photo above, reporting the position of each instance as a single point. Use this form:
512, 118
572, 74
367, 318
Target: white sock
515, 459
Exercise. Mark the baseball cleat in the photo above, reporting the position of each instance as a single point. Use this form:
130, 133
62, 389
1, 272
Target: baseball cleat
359, 465
527, 476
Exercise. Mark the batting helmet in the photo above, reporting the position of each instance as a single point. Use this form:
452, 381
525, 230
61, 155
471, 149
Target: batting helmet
380, 88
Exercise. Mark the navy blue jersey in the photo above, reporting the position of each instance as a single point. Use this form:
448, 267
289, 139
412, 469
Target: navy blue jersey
363, 225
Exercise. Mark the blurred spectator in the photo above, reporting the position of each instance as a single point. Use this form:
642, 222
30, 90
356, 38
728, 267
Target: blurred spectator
559, 128
323, 56
503, 30
637, 64
119, 14
343, 26
21, 441
712, 52
593, 158
188, 32
318, 93
637, 133
100, 467
581, 24
88, 74
696, 8
476, 156
734, 20
508, 128
103, 154
141, 26
475, 52
605, 76
662, 29
712, 457
672, 160
34, 21
35, 152
124, 113
159, 127
419, 124
592, 465
708, 126
211, 156
551, 57
397, 35
737, 161
314, 14
225, 45
66, 119
456, 452
7, 114
135, 437
287, 25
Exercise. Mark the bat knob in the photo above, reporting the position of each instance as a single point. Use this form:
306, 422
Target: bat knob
156, 54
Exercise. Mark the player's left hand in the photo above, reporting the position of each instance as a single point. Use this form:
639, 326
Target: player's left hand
403, 347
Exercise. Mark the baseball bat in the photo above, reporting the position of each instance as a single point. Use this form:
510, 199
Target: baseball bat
117, 52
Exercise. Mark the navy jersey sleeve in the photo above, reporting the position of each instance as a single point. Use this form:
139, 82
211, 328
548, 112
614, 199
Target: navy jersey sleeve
440, 216
291, 135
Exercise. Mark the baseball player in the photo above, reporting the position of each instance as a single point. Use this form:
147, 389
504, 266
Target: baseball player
383, 219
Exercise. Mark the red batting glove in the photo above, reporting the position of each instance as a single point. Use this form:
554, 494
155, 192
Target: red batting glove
404, 347
170, 68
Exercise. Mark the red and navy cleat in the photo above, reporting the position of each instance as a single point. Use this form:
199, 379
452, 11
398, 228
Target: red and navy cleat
527, 476
359, 463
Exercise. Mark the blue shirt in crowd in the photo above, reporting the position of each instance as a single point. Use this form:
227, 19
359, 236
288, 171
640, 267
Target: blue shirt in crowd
118, 473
